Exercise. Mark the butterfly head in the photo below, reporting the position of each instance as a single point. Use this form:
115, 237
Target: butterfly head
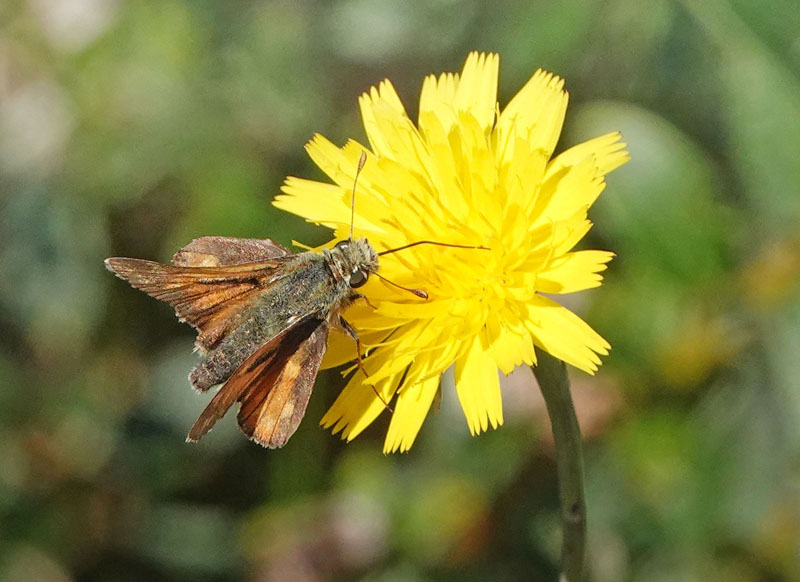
358, 260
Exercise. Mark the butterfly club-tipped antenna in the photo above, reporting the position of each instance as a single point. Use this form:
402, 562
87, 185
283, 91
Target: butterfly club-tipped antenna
361, 161
433, 242
419, 292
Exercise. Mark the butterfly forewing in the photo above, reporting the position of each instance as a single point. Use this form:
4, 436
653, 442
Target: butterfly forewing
217, 283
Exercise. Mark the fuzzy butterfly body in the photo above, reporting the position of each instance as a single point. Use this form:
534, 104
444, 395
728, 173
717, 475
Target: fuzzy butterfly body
262, 315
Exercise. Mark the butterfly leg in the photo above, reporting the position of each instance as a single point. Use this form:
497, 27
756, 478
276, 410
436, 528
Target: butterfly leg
364, 297
348, 329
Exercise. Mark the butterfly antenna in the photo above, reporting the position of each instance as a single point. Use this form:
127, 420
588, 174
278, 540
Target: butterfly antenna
361, 161
418, 292
433, 242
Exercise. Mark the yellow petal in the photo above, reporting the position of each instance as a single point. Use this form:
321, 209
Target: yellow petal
436, 102
564, 335
444, 174
342, 348
564, 193
316, 202
478, 388
535, 114
477, 91
607, 153
510, 344
333, 160
574, 272
568, 233
432, 362
391, 133
521, 174
358, 405
383, 97
477, 169
410, 410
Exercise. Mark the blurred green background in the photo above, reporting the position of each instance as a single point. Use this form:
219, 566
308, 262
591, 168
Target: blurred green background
128, 128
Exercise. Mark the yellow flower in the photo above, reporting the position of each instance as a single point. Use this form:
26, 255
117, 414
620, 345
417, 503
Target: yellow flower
465, 174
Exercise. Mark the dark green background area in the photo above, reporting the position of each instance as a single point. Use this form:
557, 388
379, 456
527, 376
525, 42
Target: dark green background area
128, 128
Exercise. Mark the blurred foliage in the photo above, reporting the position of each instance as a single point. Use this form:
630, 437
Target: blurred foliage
128, 128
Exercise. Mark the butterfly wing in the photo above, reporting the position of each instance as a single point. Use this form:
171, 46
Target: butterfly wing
273, 385
211, 279
210, 284
215, 251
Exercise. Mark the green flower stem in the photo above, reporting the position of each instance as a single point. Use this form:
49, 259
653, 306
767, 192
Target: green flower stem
551, 374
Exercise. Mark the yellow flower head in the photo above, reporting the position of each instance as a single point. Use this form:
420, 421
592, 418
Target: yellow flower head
466, 174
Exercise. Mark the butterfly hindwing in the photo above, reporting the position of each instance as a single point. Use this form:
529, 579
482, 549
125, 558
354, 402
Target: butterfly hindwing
273, 386
270, 420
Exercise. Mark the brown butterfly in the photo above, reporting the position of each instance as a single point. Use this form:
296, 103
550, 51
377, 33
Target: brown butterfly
263, 315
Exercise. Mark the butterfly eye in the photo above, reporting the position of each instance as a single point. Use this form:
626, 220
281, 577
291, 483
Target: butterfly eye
343, 244
358, 278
